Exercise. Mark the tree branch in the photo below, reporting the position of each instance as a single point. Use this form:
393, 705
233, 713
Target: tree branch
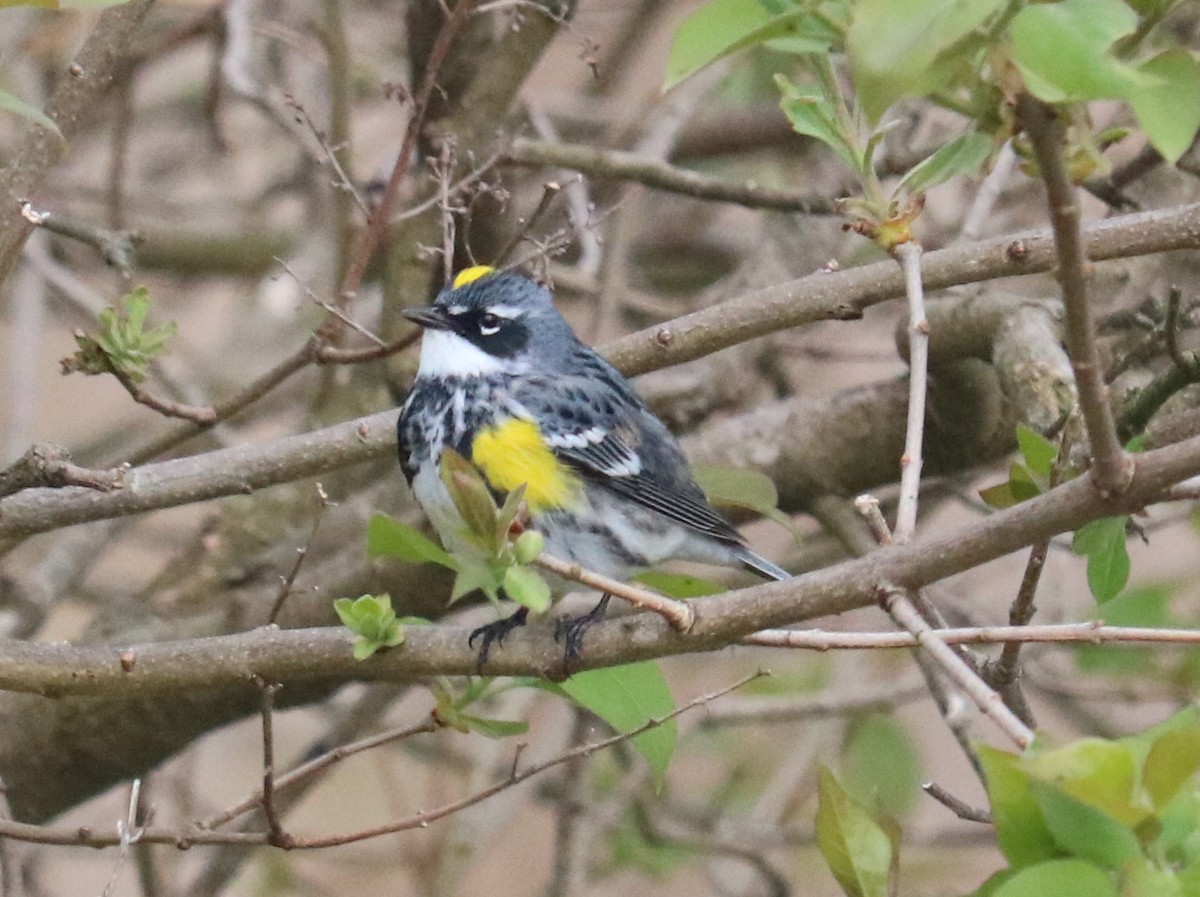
323, 655
844, 295
1111, 466
661, 175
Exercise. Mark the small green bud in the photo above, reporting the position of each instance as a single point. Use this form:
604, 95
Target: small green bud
528, 546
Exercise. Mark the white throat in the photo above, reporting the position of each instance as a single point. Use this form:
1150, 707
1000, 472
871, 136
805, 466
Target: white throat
446, 354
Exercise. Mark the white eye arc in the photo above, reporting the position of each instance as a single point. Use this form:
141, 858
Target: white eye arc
489, 324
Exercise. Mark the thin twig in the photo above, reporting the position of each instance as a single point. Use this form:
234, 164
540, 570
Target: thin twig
678, 613
988, 194
1188, 362
286, 582
116, 247
319, 764
1003, 674
191, 835
129, 831
909, 257
661, 175
766, 710
276, 834
342, 181
326, 334
898, 605
550, 190
958, 807
1093, 632
422, 819
1112, 468
378, 223
204, 415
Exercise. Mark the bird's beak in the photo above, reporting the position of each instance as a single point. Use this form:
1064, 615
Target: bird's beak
429, 316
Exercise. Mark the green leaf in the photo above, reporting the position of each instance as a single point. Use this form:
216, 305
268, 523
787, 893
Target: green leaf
10, 103
474, 575
1020, 829
1143, 879
508, 513
1021, 486
740, 487
815, 115
679, 585
372, 619
724, 27
388, 537
1063, 50
1059, 878
860, 850
737, 487
627, 697
1169, 108
1038, 451
1022, 483
1103, 541
472, 498
1171, 764
1142, 606
1097, 772
123, 344
527, 588
709, 33
999, 496
894, 44
964, 154
494, 728
1083, 830
880, 766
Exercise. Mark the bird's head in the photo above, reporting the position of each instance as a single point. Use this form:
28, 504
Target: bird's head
488, 321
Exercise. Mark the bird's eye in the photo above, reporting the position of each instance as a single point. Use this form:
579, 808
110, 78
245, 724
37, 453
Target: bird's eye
489, 323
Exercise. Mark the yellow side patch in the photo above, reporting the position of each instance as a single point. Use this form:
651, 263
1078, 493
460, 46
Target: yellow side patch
470, 275
512, 453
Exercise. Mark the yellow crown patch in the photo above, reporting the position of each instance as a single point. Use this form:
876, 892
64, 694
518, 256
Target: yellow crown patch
472, 274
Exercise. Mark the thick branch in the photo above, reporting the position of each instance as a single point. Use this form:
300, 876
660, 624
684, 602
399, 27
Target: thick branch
323, 655
841, 295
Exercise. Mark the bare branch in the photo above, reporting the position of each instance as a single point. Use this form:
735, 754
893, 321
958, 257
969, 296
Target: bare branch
1111, 467
50, 466
661, 175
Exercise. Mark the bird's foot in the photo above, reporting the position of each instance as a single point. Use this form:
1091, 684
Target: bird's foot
570, 630
495, 632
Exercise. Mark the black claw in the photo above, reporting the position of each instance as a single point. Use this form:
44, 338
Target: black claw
570, 630
497, 632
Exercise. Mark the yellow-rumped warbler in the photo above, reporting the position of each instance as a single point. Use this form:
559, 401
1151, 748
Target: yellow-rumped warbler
505, 382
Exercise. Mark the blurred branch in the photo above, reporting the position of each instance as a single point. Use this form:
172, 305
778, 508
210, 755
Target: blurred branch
77, 101
661, 175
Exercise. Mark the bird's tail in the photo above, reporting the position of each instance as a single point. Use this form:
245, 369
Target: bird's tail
756, 563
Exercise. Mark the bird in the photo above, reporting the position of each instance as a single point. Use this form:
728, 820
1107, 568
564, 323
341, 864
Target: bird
504, 381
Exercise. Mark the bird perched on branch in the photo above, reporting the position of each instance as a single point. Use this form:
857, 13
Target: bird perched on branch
505, 383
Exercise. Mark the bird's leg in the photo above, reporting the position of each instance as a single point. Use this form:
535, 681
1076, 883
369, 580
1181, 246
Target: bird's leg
570, 630
495, 632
